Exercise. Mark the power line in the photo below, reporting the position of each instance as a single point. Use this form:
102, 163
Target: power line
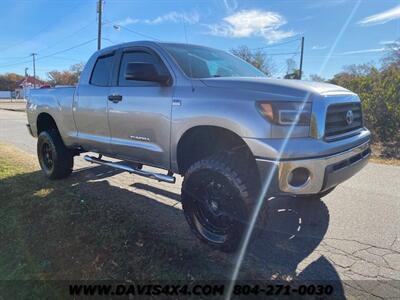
283, 69
277, 44
287, 53
116, 26
14, 57
50, 55
49, 47
40, 31
67, 36
68, 49
15, 64
65, 58
108, 40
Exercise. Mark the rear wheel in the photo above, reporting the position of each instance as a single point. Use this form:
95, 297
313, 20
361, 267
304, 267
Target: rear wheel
217, 199
54, 158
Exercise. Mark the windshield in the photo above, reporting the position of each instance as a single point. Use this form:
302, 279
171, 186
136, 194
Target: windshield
203, 62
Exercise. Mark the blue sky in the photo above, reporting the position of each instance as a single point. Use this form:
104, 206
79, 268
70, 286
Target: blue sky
50, 28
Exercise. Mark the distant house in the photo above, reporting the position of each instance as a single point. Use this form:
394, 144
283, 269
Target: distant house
24, 85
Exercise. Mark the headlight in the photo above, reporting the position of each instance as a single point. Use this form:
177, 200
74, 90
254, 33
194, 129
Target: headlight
286, 113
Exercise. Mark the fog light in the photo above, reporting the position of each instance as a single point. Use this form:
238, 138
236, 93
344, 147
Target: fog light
298, 177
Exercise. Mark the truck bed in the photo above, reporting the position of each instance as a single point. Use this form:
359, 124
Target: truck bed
56, 102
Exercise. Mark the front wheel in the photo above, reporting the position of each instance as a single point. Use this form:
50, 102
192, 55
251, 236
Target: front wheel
217, 199
55, 159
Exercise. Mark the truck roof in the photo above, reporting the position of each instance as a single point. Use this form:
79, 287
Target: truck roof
148, 43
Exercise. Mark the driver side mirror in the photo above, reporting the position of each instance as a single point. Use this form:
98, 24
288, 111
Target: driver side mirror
146, 72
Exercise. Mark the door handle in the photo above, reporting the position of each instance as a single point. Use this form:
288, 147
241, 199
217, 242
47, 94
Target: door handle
115, 98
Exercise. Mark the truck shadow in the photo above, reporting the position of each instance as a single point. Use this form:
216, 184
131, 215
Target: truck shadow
294, 230
115, 233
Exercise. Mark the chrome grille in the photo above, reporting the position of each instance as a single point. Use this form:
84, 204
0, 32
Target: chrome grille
342, 119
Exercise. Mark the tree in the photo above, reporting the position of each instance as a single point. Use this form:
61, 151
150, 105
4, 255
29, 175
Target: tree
291, 65
393, 54
257, 58
359, 70
294, 75
379, 92
316, 77
8, 81
291, 72
77, 68
61, 78
68, 77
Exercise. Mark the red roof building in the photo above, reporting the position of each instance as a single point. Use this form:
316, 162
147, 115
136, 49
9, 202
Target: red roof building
29, 81
24, 85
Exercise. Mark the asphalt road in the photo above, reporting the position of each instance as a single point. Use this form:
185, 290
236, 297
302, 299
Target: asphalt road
352, 234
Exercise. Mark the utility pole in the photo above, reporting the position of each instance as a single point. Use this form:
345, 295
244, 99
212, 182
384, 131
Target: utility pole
99, 11
34, 70
301, 57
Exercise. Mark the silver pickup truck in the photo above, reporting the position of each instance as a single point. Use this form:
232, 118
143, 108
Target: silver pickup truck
209, 116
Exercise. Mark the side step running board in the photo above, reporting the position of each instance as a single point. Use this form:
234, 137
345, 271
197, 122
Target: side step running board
156, 176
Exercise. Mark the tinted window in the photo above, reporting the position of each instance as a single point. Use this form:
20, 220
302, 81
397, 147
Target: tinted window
203, 62
102, 71
139, 57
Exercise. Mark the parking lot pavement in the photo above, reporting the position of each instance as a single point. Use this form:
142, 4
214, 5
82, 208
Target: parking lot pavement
353, 234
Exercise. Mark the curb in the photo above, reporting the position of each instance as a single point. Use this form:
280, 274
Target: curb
13, 109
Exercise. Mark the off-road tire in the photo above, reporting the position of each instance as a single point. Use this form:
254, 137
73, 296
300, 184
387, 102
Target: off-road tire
226, 170
55, 159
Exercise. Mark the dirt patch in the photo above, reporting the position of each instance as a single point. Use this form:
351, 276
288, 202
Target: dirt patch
388, 154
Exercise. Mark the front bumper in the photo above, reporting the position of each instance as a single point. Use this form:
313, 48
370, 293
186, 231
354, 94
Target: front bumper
324, 172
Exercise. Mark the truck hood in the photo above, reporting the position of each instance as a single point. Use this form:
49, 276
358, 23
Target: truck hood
275, 86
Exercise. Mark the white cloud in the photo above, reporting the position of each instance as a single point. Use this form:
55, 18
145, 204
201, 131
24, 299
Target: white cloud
319, 47
381, 18
374, 50
389, 42
230, 5
171, 17
247, 23
128, 21
363, 51
175, 17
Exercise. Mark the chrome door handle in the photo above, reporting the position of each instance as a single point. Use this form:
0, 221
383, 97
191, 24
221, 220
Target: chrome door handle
176, 102
115, 98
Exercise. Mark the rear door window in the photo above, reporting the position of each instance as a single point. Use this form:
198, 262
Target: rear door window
102, 70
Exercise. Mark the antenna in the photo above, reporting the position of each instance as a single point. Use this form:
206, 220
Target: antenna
188, 54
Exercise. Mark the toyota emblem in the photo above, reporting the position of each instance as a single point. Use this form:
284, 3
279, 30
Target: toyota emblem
349, 117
